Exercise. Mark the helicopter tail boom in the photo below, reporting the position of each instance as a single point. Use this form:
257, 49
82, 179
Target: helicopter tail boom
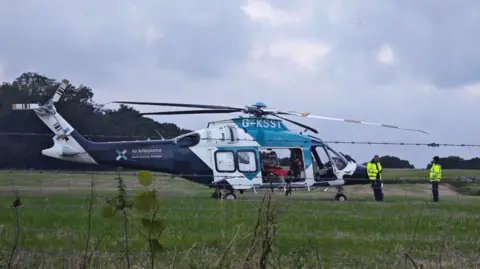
64, 147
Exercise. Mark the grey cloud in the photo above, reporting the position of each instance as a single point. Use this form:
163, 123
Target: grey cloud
435, 41
207, 46
48, 38
198, 40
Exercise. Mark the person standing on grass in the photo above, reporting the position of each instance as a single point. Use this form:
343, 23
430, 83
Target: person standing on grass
435, 177
374, 170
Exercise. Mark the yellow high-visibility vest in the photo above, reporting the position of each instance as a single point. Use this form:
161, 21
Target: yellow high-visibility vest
372, 170
435, 172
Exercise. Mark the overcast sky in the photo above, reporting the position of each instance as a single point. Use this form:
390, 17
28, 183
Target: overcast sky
409, 63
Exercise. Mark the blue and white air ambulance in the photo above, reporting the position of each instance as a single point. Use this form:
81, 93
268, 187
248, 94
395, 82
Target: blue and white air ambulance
227, 155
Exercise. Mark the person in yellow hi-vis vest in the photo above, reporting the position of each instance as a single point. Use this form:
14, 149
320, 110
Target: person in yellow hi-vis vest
435, 177
374, 170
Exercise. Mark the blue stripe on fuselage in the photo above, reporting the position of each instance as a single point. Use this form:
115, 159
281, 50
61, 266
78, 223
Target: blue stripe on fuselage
165, 156
273, 133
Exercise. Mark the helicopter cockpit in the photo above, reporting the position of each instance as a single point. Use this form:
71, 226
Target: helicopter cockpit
325, 161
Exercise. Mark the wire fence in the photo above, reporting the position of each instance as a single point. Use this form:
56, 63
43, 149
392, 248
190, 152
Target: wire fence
101, 219
432, 144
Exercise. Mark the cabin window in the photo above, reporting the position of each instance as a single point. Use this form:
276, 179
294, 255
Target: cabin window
225, 161
247, 161
188, 140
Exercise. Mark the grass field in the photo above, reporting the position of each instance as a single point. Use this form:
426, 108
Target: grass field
311, 231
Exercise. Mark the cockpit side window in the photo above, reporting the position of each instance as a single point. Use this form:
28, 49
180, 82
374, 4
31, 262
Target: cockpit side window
322, 155
328, 156
338, 159
322, 168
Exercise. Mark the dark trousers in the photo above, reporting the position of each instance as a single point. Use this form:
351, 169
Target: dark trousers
377, 190
435, 191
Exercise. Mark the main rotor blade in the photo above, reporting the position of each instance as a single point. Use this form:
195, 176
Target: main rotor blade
307, 115
297, 123
186, 112
175, 104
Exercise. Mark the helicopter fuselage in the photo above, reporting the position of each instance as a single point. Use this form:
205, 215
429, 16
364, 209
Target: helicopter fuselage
226, 154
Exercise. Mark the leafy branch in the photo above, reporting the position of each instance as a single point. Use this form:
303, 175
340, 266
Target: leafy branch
148, 206
145, 207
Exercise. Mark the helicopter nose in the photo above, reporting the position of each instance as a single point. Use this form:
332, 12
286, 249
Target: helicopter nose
360, 172
359, 177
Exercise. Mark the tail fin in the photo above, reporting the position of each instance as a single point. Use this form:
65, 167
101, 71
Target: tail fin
65, 147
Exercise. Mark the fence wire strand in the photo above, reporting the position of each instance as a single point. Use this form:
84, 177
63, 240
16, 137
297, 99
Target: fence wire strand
432, 144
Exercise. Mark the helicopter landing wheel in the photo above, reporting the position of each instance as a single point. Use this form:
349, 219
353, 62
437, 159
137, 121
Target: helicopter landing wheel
217, 194
340, 196
230, 196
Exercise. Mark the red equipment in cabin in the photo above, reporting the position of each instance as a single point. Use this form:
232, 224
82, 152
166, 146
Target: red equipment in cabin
271, 164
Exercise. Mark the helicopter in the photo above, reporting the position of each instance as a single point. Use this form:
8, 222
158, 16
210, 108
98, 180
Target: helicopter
236, 154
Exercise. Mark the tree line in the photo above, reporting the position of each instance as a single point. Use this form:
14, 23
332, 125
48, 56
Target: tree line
21, 139
78, 108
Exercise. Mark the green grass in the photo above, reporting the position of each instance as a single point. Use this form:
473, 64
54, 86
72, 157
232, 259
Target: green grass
423, 173
451, 174
310, 228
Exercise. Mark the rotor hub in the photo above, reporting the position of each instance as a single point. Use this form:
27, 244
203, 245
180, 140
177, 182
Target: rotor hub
260, 105
256, 109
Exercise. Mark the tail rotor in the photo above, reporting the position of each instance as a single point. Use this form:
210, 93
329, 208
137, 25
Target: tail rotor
25, 106
49, 104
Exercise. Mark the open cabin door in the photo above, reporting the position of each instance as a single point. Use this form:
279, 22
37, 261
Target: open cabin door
283, 165
329, 164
